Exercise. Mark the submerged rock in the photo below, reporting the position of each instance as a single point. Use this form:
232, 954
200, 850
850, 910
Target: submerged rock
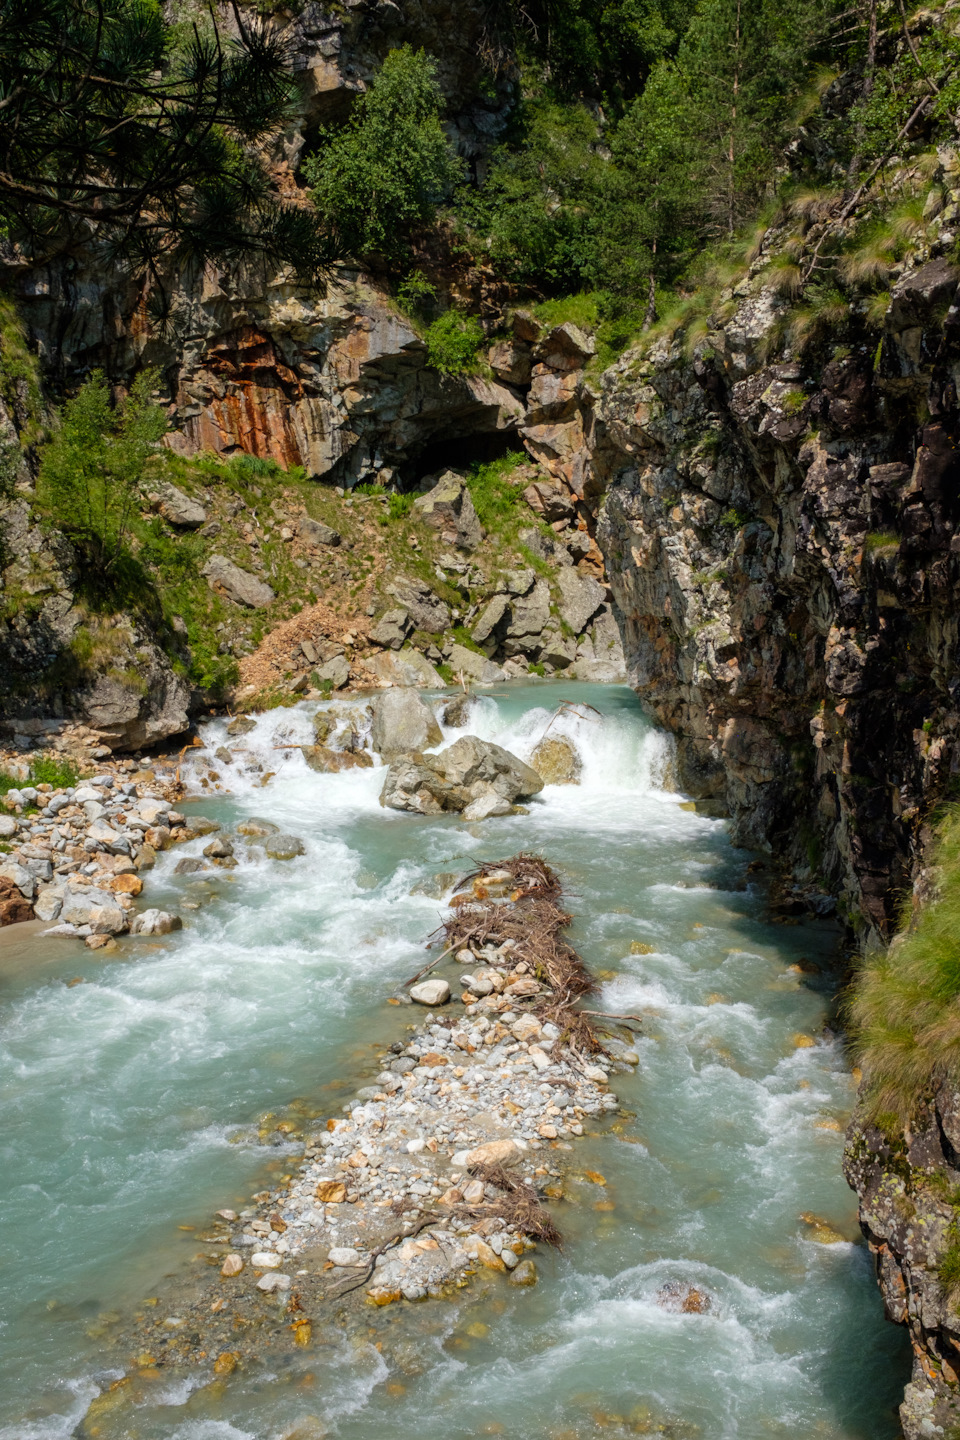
155, 922
253, 825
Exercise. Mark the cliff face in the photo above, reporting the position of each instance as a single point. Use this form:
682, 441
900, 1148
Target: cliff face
781, 543
907, 1188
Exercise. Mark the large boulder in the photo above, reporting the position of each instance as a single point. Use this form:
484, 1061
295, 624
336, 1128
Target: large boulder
408, 667
473, 666
426, 609
449, 509
402, 722
392, 628
179, 509
228, 579
582, 598
468, 771
314, 532
96, 908
529, 617
557, 761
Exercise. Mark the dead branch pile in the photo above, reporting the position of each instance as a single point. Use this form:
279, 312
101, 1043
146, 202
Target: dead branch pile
518, 1205
513, 907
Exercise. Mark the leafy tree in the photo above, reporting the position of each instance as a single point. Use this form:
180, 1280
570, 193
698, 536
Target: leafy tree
386, 171
91, 470
112, 134
537, 211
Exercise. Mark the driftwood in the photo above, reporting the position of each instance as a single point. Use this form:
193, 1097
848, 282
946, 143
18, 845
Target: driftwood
533, 917
406, 1233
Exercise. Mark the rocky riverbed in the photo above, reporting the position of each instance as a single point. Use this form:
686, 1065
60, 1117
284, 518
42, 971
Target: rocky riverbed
434, 1174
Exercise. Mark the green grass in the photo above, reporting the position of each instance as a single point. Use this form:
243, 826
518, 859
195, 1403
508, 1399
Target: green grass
498, 502
582, 310
905, 1002
881, 540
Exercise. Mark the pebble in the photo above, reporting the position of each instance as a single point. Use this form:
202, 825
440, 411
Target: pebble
344, 1255
232, 1265
266, 1260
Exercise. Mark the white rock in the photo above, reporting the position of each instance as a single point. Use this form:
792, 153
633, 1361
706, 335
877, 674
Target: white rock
415, 1146
540, 1060
84, 793
273, 1282
8, 827
265, 1260
431, 992
594, 1073
509, 1257
487, 806
343, 1255
155, 922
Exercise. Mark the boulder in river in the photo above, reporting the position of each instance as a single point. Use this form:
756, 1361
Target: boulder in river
468, 771
402, 722
155, 922
557, 760
253, 825
283, 847
331, 762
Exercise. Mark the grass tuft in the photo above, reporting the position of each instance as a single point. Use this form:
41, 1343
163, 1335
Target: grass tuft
905, 1007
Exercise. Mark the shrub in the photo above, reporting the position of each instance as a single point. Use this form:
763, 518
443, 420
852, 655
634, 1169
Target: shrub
391, 165
91, 470
453, 343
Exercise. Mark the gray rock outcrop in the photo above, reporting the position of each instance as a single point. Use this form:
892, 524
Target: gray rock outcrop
238, 585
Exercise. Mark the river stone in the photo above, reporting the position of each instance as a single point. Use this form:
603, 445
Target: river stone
179, 509
283, 847
232, 1265
332, 762
402, 722
155, 922
8, 827
471, 762
314, 532
226, 578
242, 725
486, 806
266, 1260
430, 992
456, 713
557, 760
189, 865
582, 597
524, 1274
344, 1255
97, 908
494, 1152
272, 1281
253, 825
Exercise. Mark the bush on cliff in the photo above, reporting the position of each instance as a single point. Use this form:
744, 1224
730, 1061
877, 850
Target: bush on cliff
391, 165
91, 470
905, 1006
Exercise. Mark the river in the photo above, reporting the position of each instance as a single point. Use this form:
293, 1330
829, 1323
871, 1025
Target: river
130, 1106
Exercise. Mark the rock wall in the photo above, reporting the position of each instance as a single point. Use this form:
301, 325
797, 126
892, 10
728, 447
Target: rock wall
781, 542
906, 1187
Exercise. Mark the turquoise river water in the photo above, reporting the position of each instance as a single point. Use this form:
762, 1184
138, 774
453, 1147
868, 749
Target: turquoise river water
129, 1106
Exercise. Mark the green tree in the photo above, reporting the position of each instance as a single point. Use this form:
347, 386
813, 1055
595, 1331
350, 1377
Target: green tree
386, 171
111, 133
91, 470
